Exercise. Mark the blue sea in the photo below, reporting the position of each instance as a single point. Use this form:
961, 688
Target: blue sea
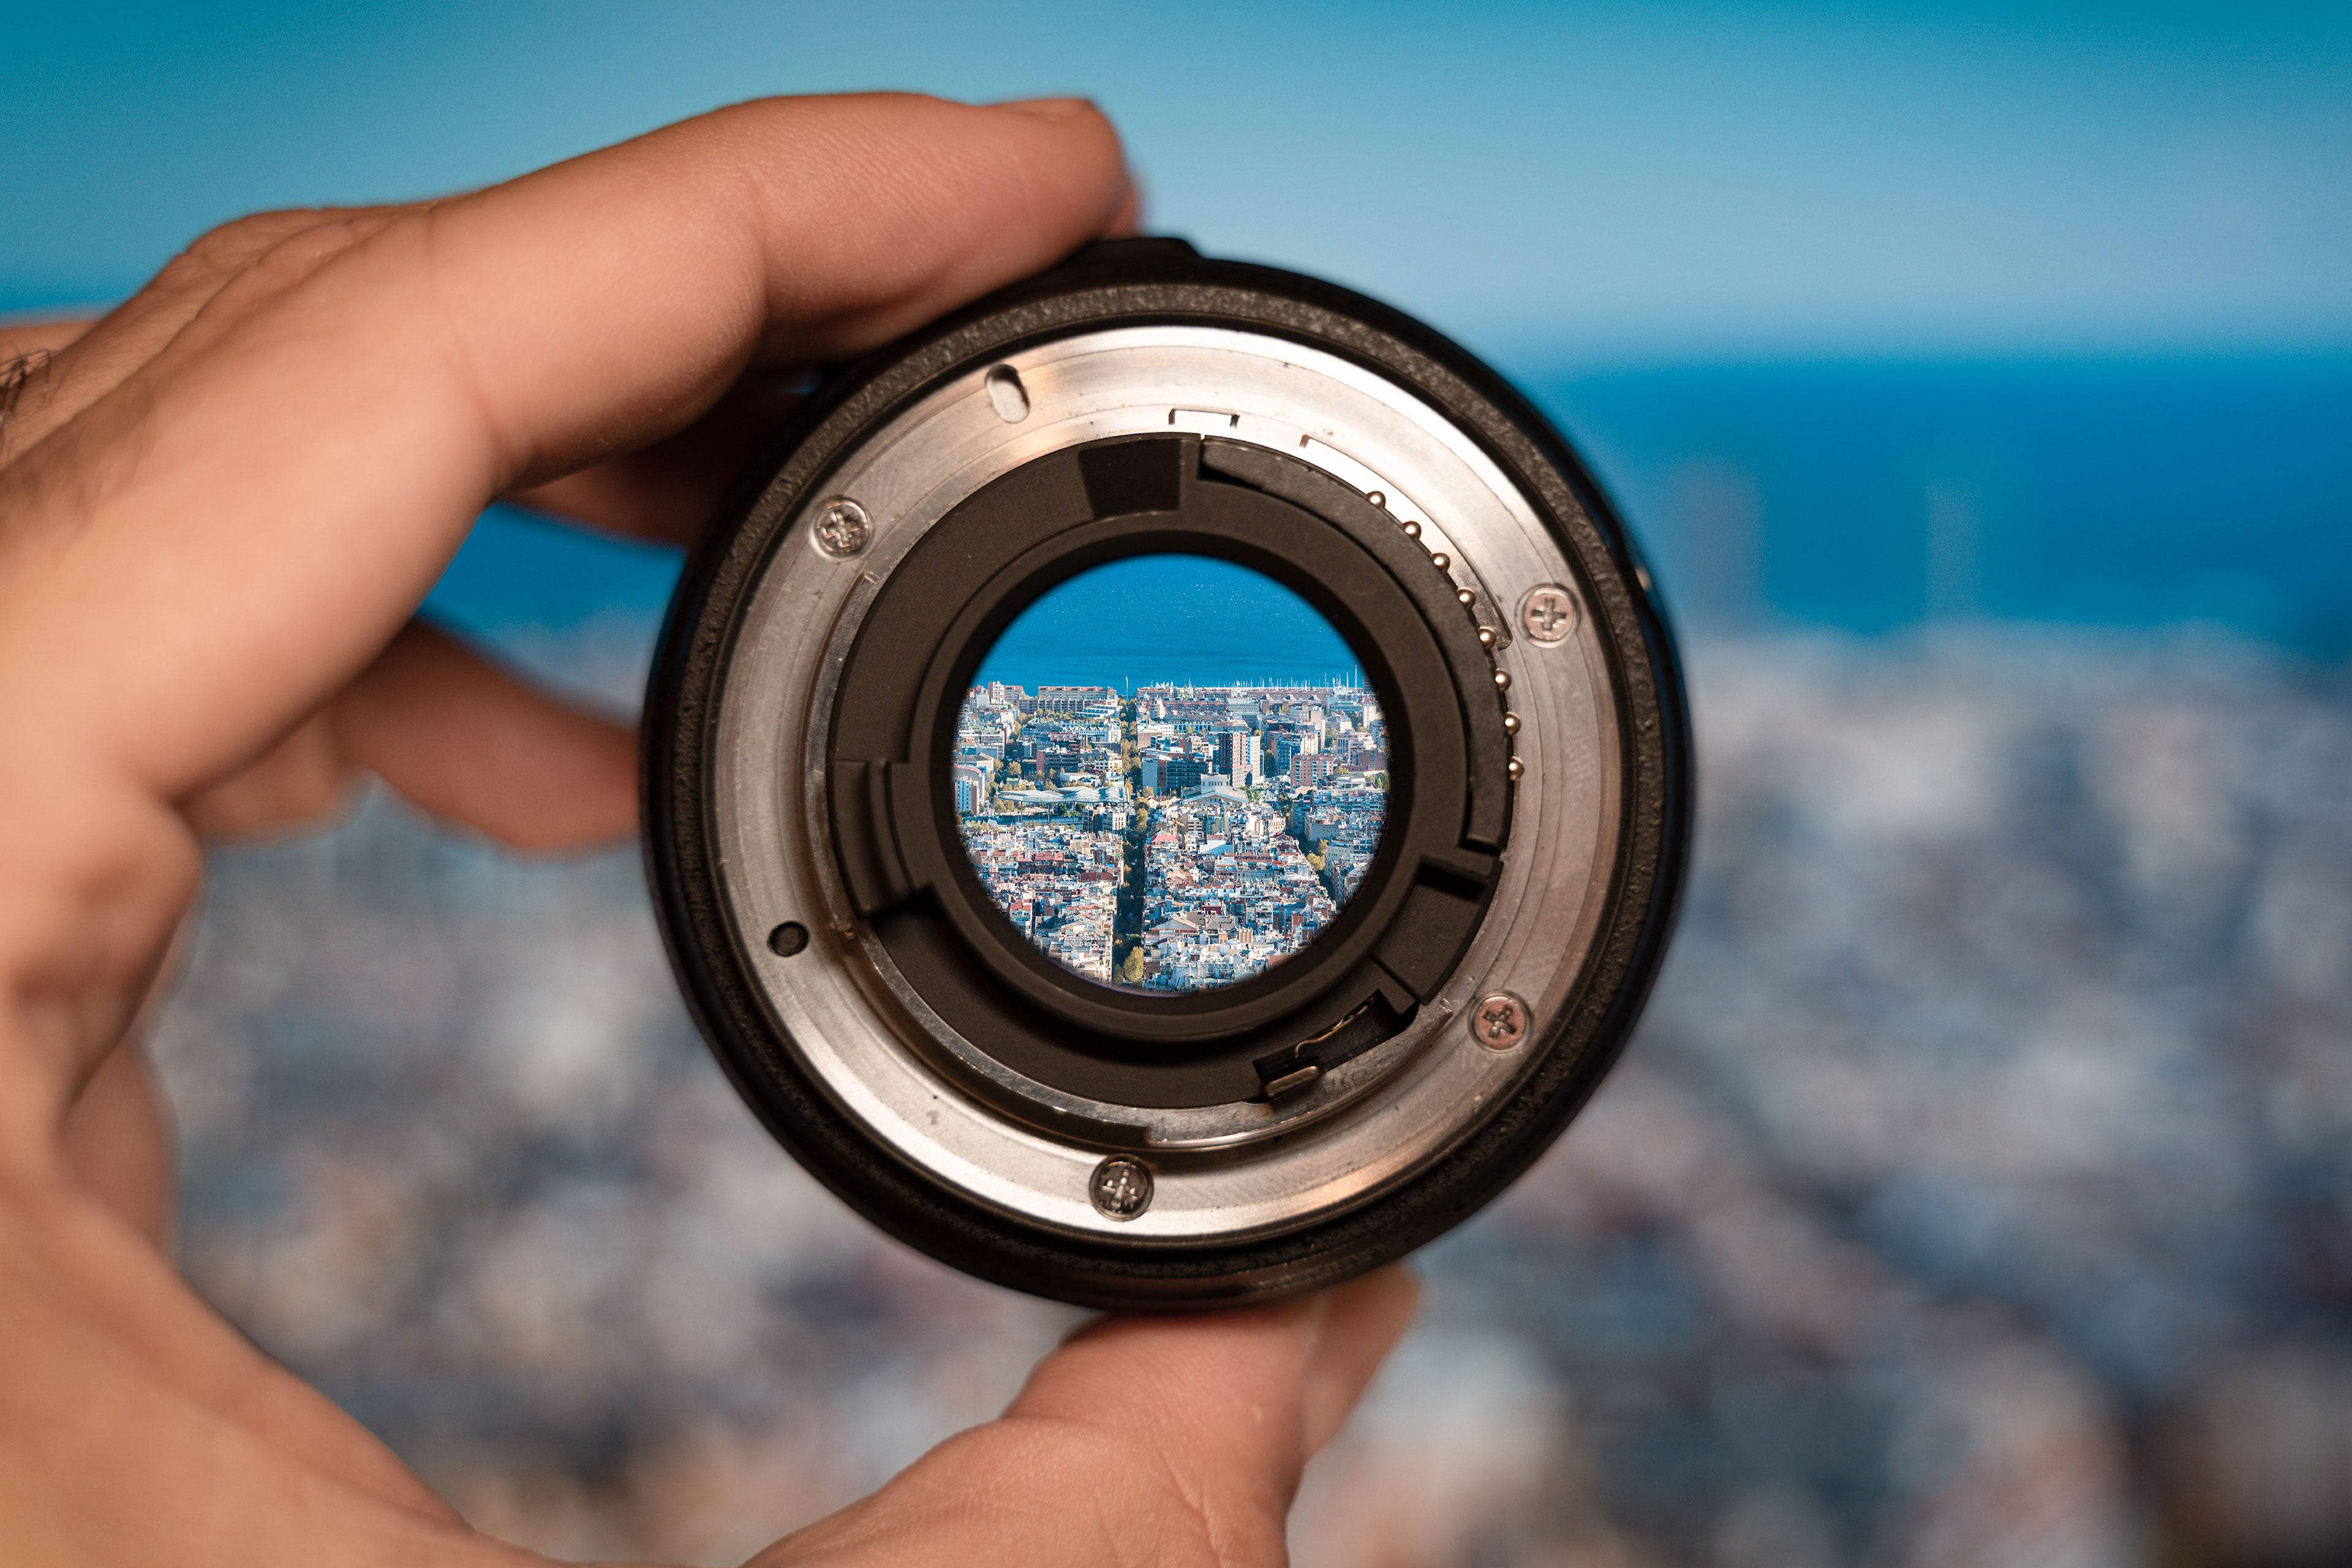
1183, 619
1864, 496
2116, 490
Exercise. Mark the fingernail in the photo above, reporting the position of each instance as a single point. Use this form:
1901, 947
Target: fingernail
1128, 216
1049, 108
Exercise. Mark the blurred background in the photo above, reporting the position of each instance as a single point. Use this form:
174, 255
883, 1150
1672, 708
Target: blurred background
1979, 1188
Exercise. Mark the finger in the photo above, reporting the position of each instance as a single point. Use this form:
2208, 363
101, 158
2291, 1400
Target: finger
453, 733
444, 356
669, 490
118, 1136
120, 1145
1239, 1403
1171, 1440
95, 357
468, 742
1129, 220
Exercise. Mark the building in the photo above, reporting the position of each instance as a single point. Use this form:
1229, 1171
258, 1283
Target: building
1280, 746
1070, 699
1237, 756
970, 784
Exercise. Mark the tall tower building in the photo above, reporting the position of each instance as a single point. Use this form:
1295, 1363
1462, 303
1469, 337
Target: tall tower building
1237, 756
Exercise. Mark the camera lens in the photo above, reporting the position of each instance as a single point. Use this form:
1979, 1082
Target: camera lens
1167, 786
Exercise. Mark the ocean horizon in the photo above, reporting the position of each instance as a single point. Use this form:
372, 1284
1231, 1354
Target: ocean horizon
1854, 496
1187, 620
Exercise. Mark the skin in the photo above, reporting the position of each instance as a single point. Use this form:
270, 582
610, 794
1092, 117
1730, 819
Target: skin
219, 507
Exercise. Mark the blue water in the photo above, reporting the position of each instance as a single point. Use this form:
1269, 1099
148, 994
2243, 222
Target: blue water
517, 569
1186, 619
1866, 496
1870, 496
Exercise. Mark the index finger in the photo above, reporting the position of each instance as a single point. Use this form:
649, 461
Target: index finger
211, 548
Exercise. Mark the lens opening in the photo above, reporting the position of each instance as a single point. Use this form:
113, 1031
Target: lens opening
1149, 802
941, 935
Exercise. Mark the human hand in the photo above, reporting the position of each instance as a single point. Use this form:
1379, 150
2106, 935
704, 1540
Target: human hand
218, 508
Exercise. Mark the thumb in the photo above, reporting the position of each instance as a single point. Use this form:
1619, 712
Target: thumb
1162, 1440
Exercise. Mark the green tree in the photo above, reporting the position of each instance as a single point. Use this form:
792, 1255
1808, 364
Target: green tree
1133, 969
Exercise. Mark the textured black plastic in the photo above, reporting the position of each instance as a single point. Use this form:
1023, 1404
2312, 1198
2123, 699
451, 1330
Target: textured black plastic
1138, 282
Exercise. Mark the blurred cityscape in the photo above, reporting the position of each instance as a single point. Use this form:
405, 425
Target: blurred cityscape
1977, 1190
1177, 838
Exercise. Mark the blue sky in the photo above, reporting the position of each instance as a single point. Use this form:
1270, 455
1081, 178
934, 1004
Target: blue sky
1602, 182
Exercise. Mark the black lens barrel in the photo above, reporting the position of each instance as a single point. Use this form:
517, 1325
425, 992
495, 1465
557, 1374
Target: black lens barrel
940, 955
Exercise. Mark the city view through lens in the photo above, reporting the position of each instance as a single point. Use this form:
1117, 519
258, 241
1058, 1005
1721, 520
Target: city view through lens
1170, 772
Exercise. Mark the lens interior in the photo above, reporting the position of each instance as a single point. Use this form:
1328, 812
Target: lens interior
1170, 772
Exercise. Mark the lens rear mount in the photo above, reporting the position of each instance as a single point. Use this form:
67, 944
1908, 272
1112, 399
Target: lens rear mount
914, 655
1095, 1142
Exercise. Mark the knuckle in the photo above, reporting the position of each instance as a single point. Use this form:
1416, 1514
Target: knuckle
213, 261
230, 247
295, 255
238, 268
276, 247
223, 252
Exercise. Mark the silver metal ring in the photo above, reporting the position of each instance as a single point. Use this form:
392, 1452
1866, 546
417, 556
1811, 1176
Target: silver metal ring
935, 1100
